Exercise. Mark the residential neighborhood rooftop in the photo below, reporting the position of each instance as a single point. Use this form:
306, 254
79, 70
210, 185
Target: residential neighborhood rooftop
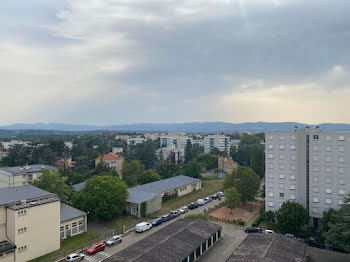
27, 169
269, 248
110, 156
11, 195
67, 212
136, 196
171, 243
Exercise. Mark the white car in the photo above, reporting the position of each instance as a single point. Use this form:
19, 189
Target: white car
200, 202
269, 231
75, 257
113, 240
183, 210
221, 193
143, 226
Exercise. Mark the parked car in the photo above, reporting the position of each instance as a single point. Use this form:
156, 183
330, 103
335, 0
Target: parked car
113, 240
253, 230
214, 196
143, 226
183, 210
336, 248
75, 257
166, 218
269, 231
207, 199
290, 236
200, 202
220, 193
193, 205
157, 222
96, 248
174, 213
314, 242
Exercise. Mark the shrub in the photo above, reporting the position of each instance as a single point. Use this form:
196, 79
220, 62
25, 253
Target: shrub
196, 216
240, 222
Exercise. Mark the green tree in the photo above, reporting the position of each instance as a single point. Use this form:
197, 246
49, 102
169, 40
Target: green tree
216, 151
104, 197
197, 149
18, 155
257, 160
232, 198
192, 169
75, 178
209, 161
188, 151
144, 152
245, 180
166, 169
149, 176
291, 217
57, 146
132, 172
245, 149
339, 230
51, 181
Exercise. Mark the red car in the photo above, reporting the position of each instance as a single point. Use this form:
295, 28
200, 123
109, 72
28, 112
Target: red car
96, 248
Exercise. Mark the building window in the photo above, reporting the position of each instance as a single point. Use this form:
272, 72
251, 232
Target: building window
341, 159
270, 185
341, 138
282, 167
81, 226
270, 166
316, 169
282, 137
340, 202
315, 179
328, 159
292, 187
328, 190
328, 201
292, 137
341, 148
282, 176
328, 138
281, 147
328, 148
280, 204
270, 156
315, 189
315, 137
315, 147
281, 186
270, 175
292, 177
315, 158
270, 204
281, 194
270, 146
328, 180
281, 157
292, 147
341, 191
22, 212
341, 170
315, 210
270, 194
315, 200
270, 137
341, 181
292, 197
292, 167
292, 157
328, 169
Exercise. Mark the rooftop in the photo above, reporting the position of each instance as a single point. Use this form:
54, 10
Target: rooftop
68, 212
27, 169
110, 156
136, 196
269, 248
12, 195
78, 186
173, 242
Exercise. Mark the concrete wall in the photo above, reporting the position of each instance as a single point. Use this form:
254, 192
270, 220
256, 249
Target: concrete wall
69, 224
2, 223
154, 205
188, 188
9, 180
5, 179
41, 236
10, 257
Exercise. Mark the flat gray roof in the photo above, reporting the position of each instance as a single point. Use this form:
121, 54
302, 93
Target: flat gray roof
69, 212
10, 195
138, 197
171, 244
27, 169
259, 247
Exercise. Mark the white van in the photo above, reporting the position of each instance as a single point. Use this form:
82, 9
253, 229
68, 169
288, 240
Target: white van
200, 202
143, 226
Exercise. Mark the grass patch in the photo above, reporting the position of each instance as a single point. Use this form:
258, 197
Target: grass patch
208, 188
121, 221
70, 245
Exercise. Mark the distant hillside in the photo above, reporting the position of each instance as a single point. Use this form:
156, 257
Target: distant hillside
194, 127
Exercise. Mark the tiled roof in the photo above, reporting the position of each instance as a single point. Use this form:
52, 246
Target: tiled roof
27, 169
16, 194
110, 156
68, 212
171, 244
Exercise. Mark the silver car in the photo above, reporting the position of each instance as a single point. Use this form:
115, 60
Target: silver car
75, 257
114, 240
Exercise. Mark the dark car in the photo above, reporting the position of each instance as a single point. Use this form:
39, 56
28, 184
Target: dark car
336, 248
156, 222
214, 196
314, 242
253, 230
166, 218
193, 205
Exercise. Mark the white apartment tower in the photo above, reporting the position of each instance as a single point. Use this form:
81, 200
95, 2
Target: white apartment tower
308, 166
220, 142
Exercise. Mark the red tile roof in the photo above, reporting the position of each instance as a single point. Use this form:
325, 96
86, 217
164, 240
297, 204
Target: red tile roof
3, 149
110, 156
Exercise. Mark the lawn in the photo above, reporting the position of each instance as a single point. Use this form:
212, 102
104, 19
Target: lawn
121, 221
208, 188
70, 245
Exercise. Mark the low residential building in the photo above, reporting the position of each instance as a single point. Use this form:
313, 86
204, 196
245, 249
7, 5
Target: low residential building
178, 141
235, 143
152, 193
8, 145
114, 161
171, 152
21, 175
117, 150
73, 221
226, 164
68, 144
30, 220
122, 137
269, 247
3, 152
7, 251
66, 163
183, 240
136, 141
198, 141
220, 142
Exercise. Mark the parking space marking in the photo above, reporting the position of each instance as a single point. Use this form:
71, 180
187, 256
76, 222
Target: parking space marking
98, 257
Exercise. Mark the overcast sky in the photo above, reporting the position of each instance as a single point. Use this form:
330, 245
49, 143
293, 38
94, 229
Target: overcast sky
131, 61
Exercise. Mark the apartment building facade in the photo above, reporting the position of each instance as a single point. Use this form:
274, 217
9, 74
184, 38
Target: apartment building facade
21, 175
220, 142
310, 167
114, 161
178, 142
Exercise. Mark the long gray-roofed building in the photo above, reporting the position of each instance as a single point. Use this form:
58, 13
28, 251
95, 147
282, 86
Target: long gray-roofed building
269, 248
73, 221
152, 193
184, 240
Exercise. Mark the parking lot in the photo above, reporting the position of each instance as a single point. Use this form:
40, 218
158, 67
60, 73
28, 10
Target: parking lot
134, 237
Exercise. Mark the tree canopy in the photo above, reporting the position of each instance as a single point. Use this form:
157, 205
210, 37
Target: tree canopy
291, 217
104, 197
188, 151
232, 198
144, 152
149, 176
245, 180
132, 172
192, 169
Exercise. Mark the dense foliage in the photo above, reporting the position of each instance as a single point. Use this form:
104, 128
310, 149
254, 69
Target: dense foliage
291, 217
232, 198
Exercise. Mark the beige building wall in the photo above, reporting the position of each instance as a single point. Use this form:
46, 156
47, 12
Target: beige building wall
154, 205
74, 230
9, 180
188, 188
8, 257
37, 232
2, 223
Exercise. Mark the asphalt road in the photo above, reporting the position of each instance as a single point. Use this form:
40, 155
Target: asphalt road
134, 237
